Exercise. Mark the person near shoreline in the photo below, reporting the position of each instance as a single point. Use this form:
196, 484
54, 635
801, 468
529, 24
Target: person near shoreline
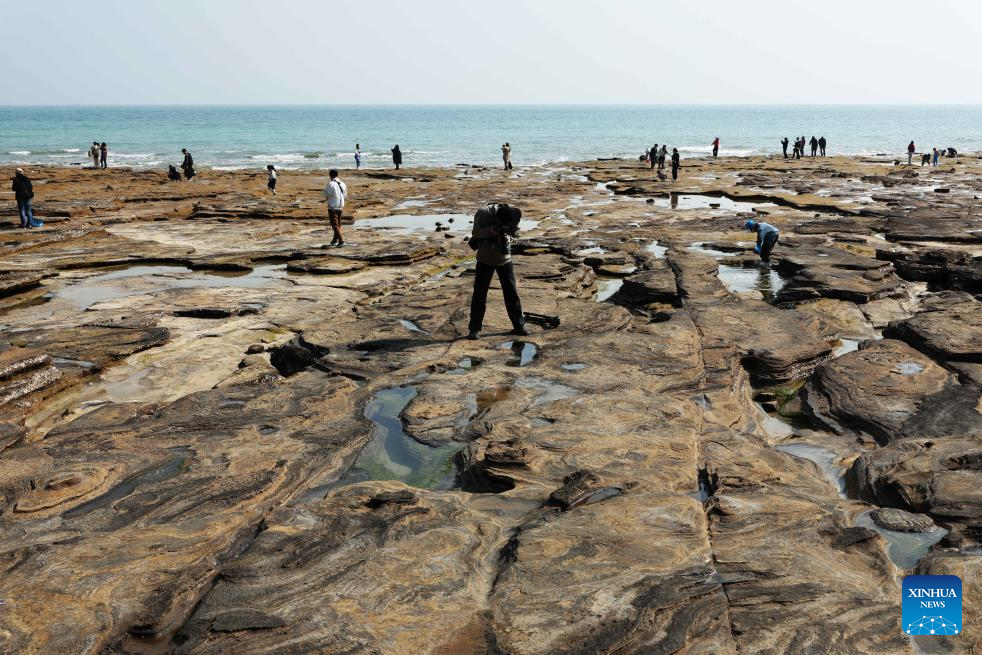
336, 192
821, 144
784, 146
104, 154
662, 154
653, 156
94, 154
491, 238
936, 155
357, 156
271, 178
397, 156
506, 155
24, 194
796, 152
172, 173
911, 149
767, 236
715, 147
675, 164
188, 164
814, 144
925, 158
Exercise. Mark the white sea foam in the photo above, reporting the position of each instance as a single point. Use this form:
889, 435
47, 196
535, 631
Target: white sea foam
19, 152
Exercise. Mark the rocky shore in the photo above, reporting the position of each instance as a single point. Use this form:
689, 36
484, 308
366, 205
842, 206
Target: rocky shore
218, 434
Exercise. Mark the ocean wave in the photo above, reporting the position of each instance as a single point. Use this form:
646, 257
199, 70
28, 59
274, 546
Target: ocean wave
18, 152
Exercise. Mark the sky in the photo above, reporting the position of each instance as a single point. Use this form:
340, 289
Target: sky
492, 52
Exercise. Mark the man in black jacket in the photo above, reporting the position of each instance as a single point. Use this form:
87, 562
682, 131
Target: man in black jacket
187, 164
24, 192
491, 239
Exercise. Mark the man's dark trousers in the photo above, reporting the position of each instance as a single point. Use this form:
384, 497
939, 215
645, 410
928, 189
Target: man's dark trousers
482, 282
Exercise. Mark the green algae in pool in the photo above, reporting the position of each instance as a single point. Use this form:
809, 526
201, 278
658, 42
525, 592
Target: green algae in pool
394, 455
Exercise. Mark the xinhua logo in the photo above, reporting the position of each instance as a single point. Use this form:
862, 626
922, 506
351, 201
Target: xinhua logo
932, 605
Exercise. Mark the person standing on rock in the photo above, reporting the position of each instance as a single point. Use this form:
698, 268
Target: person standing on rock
661, 157
675, 164
271, 178
936, 155
357, 156
397, 156
336, 192
94, 154
715, 147
911, 149
104, 154
491, 238
821, 144
784, 146
653, 156
188, 164
506, 155
24, 194
767, 236
814, 144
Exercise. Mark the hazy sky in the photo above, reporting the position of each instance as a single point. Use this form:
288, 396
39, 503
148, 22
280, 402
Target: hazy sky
492, 51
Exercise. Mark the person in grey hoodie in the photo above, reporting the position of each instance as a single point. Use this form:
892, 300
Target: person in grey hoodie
491, 239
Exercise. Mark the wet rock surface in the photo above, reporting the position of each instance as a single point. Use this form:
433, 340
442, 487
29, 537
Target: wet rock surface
220, 434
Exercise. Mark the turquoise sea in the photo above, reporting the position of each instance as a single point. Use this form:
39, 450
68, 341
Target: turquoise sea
295, 137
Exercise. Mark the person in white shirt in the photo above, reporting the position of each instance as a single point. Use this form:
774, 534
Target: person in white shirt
271, 181
336, 192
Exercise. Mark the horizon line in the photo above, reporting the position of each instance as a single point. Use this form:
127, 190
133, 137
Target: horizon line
481, 104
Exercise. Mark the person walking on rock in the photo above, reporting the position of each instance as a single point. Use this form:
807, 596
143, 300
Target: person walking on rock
336, 192
784, 146
911, 149
821, 144
357, 156
715, 147
24, 194
767, 236
675, 164
104, 154
188, 164
271, 178
397, 156
491, 237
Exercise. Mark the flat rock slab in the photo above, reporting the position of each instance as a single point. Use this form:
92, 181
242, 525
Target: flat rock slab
326, 266
14, 282
936, 477
147, 503
901, 521
948, 335
340, 575
887, 389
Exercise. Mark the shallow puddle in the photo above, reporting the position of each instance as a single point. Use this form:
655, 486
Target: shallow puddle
679, 200
607, 287
138, 280
824, 458
701, 249
465, 365
846, 346
656, 250
415, 223
759, 278
394, 455
904, 548
572, 368
523, 352
548, 391
412, 327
